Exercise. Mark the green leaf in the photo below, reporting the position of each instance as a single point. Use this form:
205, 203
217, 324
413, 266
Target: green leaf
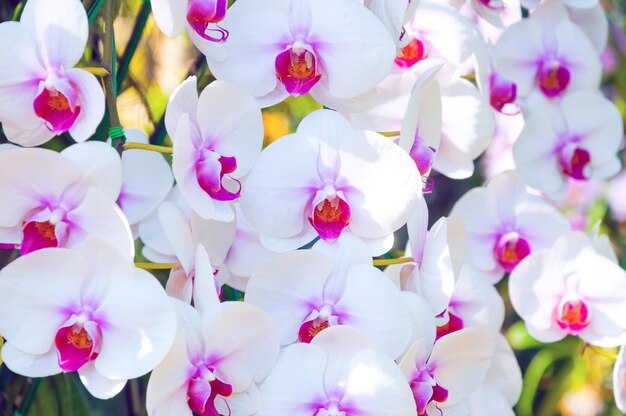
60, 395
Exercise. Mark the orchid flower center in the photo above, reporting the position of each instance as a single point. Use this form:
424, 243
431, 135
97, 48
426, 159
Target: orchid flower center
212, 170
77, 343
553, 78
44, 229
297, 68
426, 390
55, 109
510, 250
575, 161
37, 235
202, 13
501, 91
573, 314
454, 324
331, 409
203, 388
412, 53
316, 322
330, 216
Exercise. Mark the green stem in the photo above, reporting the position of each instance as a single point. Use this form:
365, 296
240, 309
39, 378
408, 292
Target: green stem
93, 7
133, 43
532, 378
110, 63
30, 396
18, 11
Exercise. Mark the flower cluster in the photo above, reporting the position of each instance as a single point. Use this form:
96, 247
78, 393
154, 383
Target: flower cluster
412, 91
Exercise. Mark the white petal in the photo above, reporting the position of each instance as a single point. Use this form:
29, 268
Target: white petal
183, 166
353, 46
577, 49
619, 374
205, 294
461, 361
476, 301
448, 34
178, 232
385, 184
257, 36
100, 165
98, 215
99, 386
536, 286
91, 101
437, 274
33, 300
286, 285
231, 124
245, 339
487, 399
60, 29
18, 60
34, 135
246, 253
296, 381
479, 210
601, 285
147, 180
372, 304
516, 53
140, 326
534, 153
215, 236
276, 193
167, 388
184, 100
170, 16
30, 365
